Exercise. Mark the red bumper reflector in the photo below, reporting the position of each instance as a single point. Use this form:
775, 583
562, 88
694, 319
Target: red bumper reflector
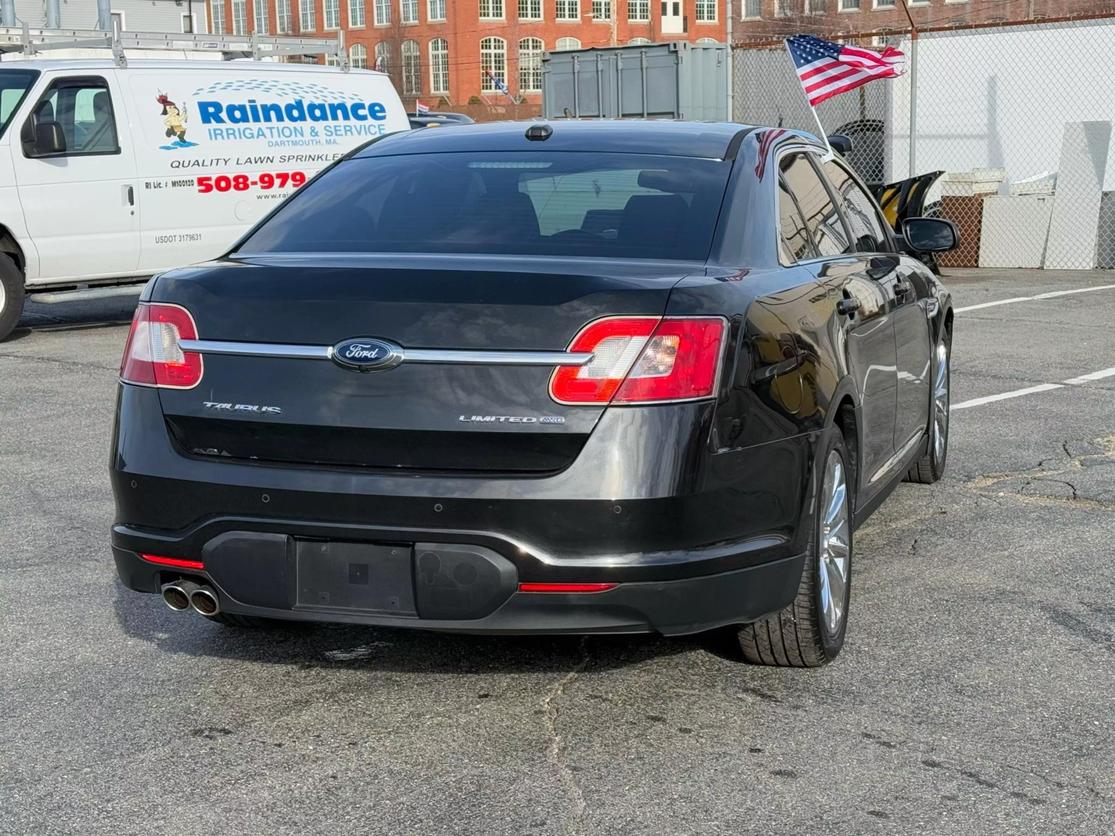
175, 562
566, 587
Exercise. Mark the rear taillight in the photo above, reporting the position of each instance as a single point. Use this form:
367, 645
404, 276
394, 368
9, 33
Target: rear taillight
642, 359
153, 355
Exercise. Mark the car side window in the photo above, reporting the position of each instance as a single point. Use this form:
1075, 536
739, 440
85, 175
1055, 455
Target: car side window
822, 219
859, 210
82, 108
796, 244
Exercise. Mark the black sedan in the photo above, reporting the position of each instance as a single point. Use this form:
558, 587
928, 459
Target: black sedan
581, 378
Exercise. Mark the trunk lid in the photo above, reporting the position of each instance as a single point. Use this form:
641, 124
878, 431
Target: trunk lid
438, 417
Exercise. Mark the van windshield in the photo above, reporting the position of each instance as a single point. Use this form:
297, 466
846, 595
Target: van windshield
14, 85
522, 203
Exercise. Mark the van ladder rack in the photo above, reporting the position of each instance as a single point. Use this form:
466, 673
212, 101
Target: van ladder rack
34, 41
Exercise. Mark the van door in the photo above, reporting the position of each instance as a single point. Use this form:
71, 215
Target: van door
78, 190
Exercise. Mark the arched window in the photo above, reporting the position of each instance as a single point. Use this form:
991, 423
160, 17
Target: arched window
705, 41
530, 65
383, 57
493, 64
567, 43
412, 70
439, 65
638, 41
358, 57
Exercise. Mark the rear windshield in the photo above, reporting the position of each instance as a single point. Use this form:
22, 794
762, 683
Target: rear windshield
14, 85
558, 203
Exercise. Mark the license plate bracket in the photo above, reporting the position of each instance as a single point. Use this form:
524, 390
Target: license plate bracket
364, 577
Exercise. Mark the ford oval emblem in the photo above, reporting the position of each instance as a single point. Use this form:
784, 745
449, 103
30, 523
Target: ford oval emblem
367, 354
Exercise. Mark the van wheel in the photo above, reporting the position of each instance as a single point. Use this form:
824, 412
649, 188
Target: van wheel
11, 296
810, 631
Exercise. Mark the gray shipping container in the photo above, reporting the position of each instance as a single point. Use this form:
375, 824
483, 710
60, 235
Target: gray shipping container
676, 80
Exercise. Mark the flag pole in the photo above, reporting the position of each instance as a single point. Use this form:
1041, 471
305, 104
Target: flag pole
820, 128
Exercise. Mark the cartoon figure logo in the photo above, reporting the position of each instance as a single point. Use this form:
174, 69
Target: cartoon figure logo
174, 117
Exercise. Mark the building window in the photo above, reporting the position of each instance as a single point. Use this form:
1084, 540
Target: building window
358, 57
259, 17
356, 17
439, 65
435, 10
408, 11
282, 17
189, 22
530, 65
491, 9
568, 9
412, 69
602, 9
638, 9
638, 42
382, 12
307, 15
331, 11
706, 11
849, 5
530, 9
240, 17
493, 63
383, 57
567, 43
817, 7
332, 61
752, 9
885, 4
782, 8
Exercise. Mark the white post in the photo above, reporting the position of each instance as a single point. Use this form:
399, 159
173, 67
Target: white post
731, 60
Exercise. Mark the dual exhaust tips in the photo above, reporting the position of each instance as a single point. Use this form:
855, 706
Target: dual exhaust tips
181, 595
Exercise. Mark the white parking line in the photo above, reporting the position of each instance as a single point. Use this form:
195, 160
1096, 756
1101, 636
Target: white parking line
1004, 396
1053, 294
1032, 390
1084, 378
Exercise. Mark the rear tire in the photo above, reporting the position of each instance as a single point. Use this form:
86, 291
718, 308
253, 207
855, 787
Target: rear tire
810, 631
931, 467
11, 296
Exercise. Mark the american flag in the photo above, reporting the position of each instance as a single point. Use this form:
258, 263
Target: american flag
827, 69
766, 140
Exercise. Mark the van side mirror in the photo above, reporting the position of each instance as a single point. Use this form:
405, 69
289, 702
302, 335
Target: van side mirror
928, 235
46, 139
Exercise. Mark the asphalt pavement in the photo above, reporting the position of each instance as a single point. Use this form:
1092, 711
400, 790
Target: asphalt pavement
975, 693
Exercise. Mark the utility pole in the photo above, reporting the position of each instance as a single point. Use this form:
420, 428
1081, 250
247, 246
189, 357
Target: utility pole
913, 89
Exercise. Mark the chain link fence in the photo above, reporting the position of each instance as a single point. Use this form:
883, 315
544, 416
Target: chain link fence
1015, 118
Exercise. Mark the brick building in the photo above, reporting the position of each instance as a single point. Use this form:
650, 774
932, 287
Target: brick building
448, 53
756, 20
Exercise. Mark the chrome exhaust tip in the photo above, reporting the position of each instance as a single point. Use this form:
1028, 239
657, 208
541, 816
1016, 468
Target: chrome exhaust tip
204, 601
176, 594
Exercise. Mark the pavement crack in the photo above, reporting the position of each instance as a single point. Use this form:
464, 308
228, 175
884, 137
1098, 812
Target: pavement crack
557, 751
57, 361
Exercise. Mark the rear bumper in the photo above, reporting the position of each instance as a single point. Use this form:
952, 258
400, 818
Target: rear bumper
677, 607
693, 540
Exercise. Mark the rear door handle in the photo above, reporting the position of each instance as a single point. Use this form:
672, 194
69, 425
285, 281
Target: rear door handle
848, 306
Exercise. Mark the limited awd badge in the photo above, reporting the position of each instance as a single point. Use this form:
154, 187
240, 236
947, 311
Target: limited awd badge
366, 354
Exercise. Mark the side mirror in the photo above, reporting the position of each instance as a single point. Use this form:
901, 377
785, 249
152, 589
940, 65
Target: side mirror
928, 235
841, 143
46, 139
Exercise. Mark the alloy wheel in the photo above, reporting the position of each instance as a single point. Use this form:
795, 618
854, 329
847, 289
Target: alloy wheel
834, 556
941, 403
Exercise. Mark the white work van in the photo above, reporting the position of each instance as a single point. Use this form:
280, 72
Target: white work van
109, 174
